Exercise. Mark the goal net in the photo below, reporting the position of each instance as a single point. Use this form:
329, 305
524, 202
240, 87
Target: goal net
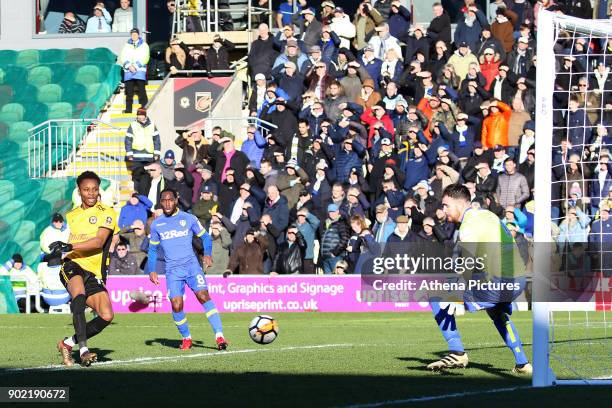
573, 190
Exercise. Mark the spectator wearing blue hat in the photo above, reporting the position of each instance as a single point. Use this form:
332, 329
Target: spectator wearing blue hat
168, 164
334, 239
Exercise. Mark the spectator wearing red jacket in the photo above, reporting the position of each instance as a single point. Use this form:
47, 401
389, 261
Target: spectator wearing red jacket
375, 117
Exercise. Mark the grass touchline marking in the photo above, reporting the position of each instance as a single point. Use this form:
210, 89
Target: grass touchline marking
153, 360
437, 397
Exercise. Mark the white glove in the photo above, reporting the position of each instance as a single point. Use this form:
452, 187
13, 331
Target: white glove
452, 307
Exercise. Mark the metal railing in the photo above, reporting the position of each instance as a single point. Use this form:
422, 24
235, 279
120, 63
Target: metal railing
209, 15
66, 147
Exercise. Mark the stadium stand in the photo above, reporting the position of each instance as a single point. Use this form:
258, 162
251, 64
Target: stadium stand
36, 86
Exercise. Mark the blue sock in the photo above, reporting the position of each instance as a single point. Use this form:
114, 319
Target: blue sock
448, 327
212, 314
181, 323
508, 332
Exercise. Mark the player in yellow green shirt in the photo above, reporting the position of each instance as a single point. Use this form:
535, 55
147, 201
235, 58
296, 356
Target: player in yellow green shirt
482, 235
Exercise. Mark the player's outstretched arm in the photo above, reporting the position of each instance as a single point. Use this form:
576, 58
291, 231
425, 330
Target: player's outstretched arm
95, 243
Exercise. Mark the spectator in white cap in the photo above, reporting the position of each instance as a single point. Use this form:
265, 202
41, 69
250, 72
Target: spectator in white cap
384, 41
310, 27
258, 94
327, 12
520, 59
342, 26
425, 198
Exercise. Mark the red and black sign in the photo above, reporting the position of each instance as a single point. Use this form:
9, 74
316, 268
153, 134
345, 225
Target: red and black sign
194, 98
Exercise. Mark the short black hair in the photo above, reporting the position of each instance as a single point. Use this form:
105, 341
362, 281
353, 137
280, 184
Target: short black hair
510, 159
169, 190
87, 175
457, 191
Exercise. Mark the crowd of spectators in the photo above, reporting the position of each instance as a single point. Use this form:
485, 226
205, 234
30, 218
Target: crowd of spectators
100, 21
372, 118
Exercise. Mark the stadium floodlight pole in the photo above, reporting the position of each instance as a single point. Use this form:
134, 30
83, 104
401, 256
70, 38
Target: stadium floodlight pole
545, 72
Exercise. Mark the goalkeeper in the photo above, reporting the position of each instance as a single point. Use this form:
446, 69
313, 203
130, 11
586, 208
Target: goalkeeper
483, 235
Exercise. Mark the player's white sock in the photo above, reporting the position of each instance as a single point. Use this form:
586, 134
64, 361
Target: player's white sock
218, 335
69, 341
83, 350
187, 338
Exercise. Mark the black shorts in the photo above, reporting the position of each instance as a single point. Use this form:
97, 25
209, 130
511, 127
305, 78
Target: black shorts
71, 269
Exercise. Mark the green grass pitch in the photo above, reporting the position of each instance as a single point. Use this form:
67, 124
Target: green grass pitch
329, 360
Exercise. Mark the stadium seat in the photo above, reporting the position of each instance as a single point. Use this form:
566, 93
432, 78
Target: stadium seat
15, 108
7, 190
88, 74
8, 56
2, 75
21, 136
14, 169
25, 233
100, 55
74, 93
6, 94
31, 251
36, 113
4, 130
27, 58
12, 211
19, 127
30, 146
93, 89
52, 56
39, 76
50, 93
25, 94
76, 55
9, 117
15, 75
60, 110
9, 148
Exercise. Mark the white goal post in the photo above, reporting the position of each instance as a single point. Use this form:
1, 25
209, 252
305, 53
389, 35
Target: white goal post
549, 26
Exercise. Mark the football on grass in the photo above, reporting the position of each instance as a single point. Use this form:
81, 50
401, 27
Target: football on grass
263, 329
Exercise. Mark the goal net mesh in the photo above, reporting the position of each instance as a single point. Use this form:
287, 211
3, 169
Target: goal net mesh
574, 132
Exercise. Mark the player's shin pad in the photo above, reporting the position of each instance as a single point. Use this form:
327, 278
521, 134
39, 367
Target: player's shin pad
181, 323
212, 314
77, 307
448, 327
507, 330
